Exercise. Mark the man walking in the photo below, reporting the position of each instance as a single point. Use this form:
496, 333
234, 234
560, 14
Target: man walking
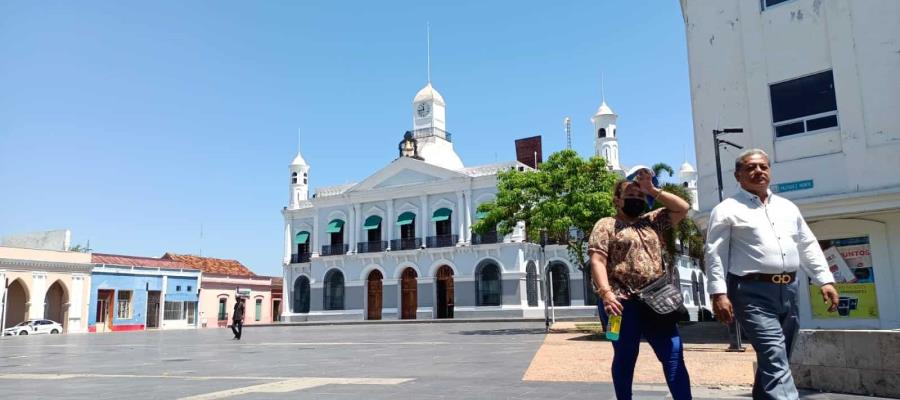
756, 242
237, 318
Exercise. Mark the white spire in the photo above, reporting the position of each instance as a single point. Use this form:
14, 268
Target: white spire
298, 159
428, 35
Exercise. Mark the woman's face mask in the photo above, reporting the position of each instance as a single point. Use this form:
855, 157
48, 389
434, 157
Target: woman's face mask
634, 207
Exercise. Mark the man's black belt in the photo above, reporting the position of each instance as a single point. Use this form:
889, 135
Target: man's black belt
781, 279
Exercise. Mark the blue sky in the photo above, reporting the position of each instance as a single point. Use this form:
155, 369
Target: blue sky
134, 123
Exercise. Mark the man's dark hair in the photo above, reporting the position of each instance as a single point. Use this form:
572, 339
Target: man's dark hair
620, 187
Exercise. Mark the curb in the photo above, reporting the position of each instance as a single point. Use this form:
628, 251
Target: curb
412, 321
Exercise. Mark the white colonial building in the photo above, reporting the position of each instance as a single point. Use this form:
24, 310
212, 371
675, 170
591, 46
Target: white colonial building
814, 84
399, 244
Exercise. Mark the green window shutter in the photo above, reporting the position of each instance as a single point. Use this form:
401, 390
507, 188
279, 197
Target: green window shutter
258, 309
373, 222
442, 214
406, 218
335, 226
301, 238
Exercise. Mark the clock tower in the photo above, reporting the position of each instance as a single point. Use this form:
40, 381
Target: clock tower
429, 110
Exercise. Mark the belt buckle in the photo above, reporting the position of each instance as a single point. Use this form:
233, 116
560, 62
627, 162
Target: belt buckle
782, 279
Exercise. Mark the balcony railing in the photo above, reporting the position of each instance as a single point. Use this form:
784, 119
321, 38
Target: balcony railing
335, 249
429, 132
299, 258
406, 244
371, 247
441, 241
486, 238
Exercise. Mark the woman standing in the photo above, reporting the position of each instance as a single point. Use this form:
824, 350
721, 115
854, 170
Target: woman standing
627, 254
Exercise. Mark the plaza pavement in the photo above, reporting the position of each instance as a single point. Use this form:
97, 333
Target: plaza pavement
497, 360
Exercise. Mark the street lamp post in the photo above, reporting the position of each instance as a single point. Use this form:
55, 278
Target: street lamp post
543, 276
737, 345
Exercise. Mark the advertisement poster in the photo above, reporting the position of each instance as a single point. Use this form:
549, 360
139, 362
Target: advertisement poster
850, 260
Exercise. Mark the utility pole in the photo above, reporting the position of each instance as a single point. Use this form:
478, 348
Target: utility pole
736, 346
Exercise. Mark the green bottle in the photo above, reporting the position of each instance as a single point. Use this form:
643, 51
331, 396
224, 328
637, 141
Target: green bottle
612, 328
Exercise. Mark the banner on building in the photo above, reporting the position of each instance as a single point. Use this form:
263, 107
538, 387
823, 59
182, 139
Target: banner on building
850, 260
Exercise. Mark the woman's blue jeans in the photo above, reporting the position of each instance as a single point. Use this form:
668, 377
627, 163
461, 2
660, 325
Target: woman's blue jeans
639, 321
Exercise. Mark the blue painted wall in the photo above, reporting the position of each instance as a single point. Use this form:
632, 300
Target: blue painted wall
180, 288
137, 284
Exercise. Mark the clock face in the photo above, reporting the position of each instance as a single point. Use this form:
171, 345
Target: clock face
423, 110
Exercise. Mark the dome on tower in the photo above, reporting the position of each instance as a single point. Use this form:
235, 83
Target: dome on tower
604, 110
298, 160
428, 93
686, 171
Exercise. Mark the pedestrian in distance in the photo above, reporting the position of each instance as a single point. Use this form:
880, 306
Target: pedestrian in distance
237, 318
627, 253
756, 241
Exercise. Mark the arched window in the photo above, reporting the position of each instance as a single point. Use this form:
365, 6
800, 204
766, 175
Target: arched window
300, 296
334, 290
336, 231
223, 310
258, 310
301, 240
601, 133
590, 297
531, 284
489, 289
442, 222
294, 178
559, 277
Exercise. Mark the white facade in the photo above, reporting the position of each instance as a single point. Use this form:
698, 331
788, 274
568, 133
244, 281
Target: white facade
813, 83
383, 248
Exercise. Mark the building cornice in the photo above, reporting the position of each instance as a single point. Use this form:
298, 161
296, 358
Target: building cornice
47, 266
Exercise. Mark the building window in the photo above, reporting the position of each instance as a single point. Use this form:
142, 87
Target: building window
334, 290
488, 285
531, 284
188, 288
178, 288
258, 315
124, 304
174, 310
764, 4
804, 104
559, 278
300, 296
601, 133
294, 178
590, 297
223, 310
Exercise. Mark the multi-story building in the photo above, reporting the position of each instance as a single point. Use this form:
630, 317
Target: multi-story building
814, 84
399, 244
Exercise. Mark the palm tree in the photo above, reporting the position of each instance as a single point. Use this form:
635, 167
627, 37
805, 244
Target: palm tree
658, 168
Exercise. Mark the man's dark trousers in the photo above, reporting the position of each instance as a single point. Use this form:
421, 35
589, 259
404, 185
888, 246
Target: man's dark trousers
237, 327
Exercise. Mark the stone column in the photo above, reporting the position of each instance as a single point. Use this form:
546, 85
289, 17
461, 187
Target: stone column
425, 219
350, 227
460, 218
469, 211
287, 243
357, 227
314, 251
389, 221
76, 304
38, 295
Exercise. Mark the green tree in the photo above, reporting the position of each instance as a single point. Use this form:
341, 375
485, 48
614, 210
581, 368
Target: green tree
565, 192
685, 232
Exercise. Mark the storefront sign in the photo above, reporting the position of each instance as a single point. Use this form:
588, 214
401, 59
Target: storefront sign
850, 260
792, 186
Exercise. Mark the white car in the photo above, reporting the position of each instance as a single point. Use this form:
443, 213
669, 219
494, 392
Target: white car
34, 327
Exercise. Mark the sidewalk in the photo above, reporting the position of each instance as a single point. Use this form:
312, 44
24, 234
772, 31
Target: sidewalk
571, 355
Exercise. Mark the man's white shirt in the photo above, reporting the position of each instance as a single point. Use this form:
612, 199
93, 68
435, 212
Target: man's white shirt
748, 236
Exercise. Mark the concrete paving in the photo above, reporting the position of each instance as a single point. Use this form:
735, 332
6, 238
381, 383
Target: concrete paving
410, 361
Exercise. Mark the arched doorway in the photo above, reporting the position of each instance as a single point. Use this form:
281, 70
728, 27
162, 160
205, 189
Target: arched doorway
374, 295
55, 304
559, 277
16, 303
300, 296
444, 291
408, 293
